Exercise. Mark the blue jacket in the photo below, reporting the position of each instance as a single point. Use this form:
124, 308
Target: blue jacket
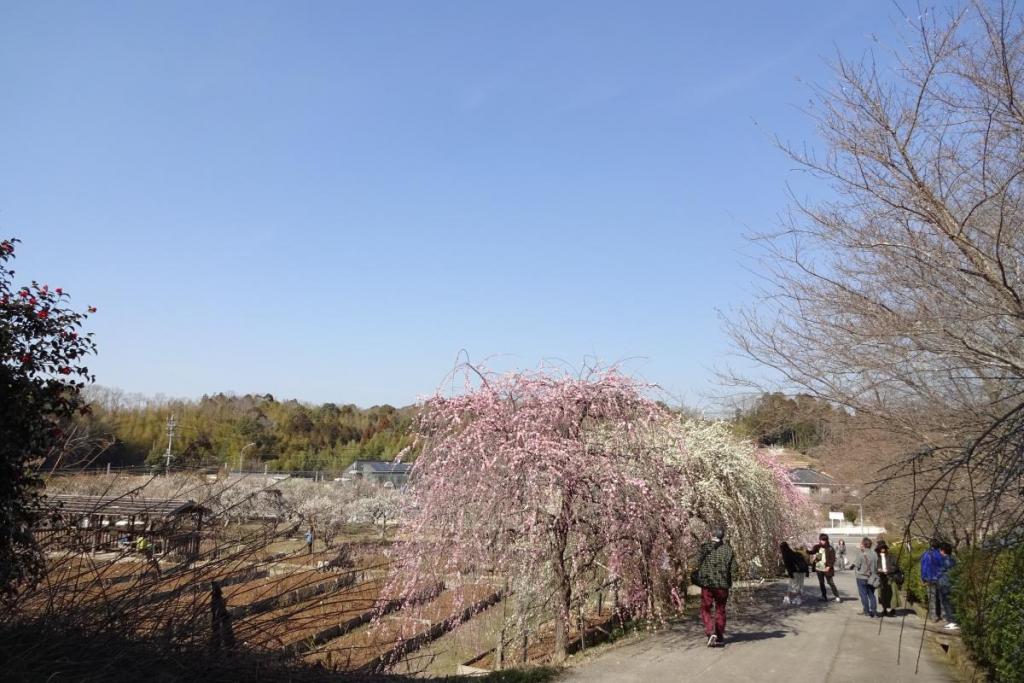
931, 565
948, 563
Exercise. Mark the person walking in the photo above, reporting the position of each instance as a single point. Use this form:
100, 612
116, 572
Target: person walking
145, 546
797, 569
931, 568
889, 575
715, 572
309, 541
945, 586
841, 553
866, 572
221, 633
823, 555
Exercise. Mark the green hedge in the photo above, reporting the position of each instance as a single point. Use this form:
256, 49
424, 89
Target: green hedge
988, 601
910, 562
988, 595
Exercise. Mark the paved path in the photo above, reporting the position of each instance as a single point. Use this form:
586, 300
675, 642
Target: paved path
765, 642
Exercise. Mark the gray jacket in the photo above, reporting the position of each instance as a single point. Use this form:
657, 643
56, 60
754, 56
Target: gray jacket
866, 567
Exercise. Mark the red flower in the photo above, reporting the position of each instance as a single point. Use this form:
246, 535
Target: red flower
92, 309
26, 358
59, 291
65, 371
44, 314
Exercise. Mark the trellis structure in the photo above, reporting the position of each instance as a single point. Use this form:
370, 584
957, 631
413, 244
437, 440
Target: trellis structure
172, 527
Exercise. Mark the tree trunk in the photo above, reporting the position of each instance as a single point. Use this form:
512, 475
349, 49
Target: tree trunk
499, 650
583, 627
563, 592
648, 577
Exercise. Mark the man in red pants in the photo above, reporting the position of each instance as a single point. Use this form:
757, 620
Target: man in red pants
716, 568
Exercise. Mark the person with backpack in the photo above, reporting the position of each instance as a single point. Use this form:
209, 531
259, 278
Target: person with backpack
716, 569
931, 568
797, 570
823, 557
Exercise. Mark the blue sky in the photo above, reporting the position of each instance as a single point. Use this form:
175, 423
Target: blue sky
329, 200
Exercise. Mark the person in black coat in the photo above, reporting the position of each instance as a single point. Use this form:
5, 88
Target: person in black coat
797, 570
888, 571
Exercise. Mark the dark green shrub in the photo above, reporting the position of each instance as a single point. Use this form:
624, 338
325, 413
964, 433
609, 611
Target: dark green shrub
910, 562
988, 594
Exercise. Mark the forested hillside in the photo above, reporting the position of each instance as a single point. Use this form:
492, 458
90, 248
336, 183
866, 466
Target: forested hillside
285, 435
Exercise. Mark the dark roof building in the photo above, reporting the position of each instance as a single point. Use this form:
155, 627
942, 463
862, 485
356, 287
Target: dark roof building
380, 471
811, 482
809, 477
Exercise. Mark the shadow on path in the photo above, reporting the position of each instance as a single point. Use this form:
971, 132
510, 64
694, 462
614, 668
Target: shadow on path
767, 641
752, 614
753, 635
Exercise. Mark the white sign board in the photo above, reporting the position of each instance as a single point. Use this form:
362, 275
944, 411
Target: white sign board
838, 516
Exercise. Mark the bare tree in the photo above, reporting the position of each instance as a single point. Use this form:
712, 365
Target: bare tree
902, 296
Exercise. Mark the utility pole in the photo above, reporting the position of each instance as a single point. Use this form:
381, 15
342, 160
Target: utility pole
168, 456
241, 460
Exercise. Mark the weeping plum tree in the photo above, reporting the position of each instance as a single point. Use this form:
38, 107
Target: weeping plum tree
551, 483
727, 479
557, 486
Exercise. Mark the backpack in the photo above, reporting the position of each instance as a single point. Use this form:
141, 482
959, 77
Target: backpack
897, 577
695, 577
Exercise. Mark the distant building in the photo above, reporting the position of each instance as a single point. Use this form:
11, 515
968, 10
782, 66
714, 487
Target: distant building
787, 457
381, 472
101, 523
812, 482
